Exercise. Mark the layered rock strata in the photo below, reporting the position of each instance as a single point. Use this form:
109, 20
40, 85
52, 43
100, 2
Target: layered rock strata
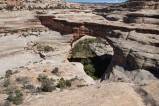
27, 45
146, 4
135, 45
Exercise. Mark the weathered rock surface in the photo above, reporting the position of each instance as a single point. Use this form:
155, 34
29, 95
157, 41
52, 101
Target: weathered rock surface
31, 4
151, 89
29, 48
132, 5
135, 45
111, 94
28, 45
99, 47
146, 4
139, 76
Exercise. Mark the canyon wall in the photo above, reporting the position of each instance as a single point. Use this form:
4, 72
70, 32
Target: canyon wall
135, 45
146, 4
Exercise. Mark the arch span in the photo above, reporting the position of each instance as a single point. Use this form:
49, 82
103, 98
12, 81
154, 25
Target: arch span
133, 47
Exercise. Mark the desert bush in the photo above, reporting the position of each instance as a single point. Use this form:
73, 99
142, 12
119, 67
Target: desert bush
47, 84
22, 80
45, 48
1, 77
42, 77
25, 81
29, 87
63, 83
10, 7
8, 73
90, 70
6, 82
82, 49
48, 48
6, 103
15, 96
55, 70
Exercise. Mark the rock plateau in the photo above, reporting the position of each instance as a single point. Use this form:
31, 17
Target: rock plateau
37, 36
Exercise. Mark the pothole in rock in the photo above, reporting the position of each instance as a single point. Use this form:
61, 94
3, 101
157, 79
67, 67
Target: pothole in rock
95, 54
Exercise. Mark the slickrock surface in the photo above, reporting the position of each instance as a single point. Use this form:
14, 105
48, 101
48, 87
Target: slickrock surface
14, 27
151, 90
23, 38
112, 94
30, 47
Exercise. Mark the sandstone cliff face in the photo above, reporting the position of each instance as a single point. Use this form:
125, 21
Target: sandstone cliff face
29, 48
135, 45
146, 4
26, 44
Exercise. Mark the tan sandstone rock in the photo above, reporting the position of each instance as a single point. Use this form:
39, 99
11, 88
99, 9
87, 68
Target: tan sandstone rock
112, 94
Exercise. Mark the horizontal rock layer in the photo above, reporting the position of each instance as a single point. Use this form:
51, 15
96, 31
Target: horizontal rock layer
135, 45
146, 4
26, 44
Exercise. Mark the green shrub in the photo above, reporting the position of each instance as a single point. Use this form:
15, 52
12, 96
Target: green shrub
63, 83
42, 77
8, 73
6, 82
55, 70
22, 80
47, 84
1, 77
16, 97
10, 7
82, 49
90, 70
48, 48
45, 48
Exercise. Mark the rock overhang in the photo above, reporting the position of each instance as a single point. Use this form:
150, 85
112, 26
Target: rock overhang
117, 33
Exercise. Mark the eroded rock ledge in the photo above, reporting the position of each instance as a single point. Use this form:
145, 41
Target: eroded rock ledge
135, 45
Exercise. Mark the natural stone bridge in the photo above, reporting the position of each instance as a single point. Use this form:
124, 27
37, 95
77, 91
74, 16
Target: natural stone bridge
136, 46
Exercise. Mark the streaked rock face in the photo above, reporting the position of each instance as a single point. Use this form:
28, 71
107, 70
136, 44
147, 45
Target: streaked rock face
146, 4
135, 45
26, 44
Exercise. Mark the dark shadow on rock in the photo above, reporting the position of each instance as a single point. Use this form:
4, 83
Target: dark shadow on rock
99, 64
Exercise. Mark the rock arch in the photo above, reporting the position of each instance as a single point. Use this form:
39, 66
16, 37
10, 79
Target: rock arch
135, 47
